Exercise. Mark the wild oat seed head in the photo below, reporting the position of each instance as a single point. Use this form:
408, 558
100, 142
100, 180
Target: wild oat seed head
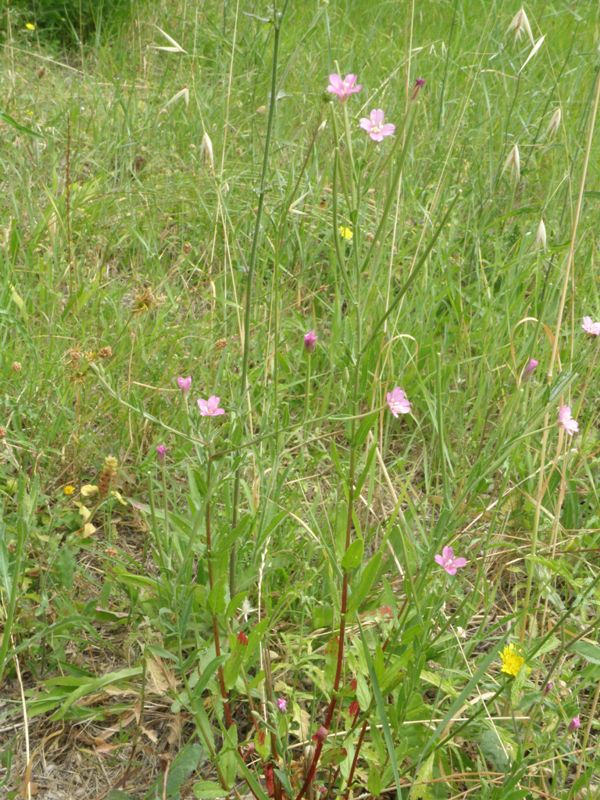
207, 151
513, 164
519, 25
554, 123
540, 236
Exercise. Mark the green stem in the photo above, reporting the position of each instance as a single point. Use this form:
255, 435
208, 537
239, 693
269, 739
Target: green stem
22, 528
211, 583
277, 19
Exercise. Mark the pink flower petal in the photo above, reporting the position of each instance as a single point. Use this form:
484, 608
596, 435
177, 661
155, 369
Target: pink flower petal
448, 552
460, 561
365, 124
377, 116
388, 129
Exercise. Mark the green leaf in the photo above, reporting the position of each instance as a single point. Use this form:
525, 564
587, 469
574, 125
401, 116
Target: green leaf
228, 757
116, 794
232, 667
421, 790
17, 125
91, 686
364, 583
374, 783
496, 750
209, 790
207, 674
216, 598
184, 764
254, 785
587, 650
353, 555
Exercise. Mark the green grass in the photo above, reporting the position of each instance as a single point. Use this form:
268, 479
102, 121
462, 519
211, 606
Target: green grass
126, 258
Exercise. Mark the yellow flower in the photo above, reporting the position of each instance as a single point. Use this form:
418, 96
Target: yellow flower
512, 660
69, 490
30, 26
89, 490
346, 233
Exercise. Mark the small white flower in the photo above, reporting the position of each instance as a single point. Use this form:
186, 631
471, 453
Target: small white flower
246, 609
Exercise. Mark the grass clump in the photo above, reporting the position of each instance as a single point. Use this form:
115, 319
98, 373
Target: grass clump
68, 23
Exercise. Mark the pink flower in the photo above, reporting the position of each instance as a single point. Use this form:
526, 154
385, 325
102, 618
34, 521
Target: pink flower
449, 561
310, 341
565, 419
343, 87
375, 126
210, 407
575, 723
591, 328
161, 451
184, 384
398, 401
530, 366
282, 704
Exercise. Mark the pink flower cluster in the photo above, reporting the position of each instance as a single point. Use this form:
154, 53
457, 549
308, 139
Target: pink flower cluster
374, 124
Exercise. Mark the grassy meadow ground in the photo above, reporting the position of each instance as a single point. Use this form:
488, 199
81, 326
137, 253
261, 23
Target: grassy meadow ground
257, 610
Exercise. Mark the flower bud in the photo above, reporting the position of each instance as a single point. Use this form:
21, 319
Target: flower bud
530, 367
310, 341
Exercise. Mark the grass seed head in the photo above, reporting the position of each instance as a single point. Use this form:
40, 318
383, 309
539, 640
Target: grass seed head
520, 25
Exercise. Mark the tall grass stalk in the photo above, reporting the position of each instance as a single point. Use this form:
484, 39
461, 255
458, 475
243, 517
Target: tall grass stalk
567, 278
277, 22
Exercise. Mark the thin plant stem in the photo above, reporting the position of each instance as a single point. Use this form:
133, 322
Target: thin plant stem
561, 308
277, 20
211, 583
